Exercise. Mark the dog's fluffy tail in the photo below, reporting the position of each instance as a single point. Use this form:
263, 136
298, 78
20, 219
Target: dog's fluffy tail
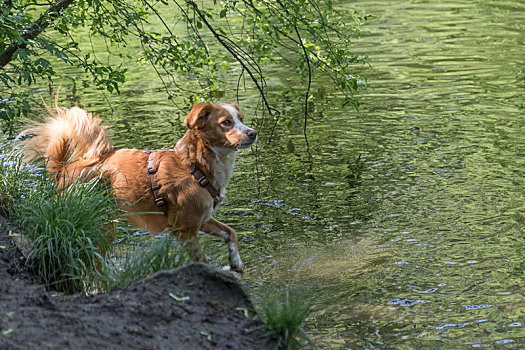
66, 136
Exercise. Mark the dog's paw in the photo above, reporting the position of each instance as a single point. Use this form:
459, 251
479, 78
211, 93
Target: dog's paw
235, 259
236, 264
229, 269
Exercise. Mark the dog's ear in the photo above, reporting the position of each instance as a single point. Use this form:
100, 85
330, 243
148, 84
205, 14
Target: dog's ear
198, 115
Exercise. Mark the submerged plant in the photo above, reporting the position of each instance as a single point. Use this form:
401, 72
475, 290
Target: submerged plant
284, 316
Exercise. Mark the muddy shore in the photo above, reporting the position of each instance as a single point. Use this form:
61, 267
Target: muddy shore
192, 307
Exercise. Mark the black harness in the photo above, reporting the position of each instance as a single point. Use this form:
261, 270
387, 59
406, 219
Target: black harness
194, 171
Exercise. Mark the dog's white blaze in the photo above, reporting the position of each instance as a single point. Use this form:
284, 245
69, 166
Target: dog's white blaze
238, 126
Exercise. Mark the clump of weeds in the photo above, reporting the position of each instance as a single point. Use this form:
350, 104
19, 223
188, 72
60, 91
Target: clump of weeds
284, 316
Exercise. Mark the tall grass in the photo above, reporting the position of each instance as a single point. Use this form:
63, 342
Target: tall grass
69, 230
284, 317
14, 180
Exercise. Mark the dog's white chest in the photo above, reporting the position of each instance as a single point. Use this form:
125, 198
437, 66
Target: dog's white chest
223, 168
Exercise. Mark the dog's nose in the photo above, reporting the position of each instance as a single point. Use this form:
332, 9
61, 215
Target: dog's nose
252, 134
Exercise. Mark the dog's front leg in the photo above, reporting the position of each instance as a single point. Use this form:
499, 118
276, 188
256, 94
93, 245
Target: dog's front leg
189, 237
218, 229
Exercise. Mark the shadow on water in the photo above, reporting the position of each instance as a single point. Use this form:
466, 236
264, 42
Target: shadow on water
405, 226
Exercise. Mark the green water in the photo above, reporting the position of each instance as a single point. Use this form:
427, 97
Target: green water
404, 227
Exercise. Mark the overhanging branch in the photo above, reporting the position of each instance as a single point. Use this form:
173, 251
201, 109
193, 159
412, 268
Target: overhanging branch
36, 28
224, 44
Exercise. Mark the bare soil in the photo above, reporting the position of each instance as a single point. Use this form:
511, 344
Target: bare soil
192, 307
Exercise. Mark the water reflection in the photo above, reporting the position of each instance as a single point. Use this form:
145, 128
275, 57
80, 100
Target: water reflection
435, 207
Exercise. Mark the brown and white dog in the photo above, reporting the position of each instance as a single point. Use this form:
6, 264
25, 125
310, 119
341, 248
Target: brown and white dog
183, 185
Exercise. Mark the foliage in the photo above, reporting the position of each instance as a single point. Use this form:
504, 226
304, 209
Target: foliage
196, 42
284, 316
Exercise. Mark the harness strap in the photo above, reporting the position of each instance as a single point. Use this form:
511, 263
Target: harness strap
204, 182
195, 172
155, 187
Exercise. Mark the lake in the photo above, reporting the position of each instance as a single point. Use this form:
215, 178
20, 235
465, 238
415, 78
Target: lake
404, 223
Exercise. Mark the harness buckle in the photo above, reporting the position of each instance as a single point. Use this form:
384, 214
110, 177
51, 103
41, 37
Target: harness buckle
203, 181
160, 202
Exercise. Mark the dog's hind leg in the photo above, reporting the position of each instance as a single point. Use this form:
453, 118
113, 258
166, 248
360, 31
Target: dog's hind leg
218, 229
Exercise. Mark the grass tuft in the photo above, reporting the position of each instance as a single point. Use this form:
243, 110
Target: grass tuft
68, 228
164, 254
14, 181
284, 317
69, 231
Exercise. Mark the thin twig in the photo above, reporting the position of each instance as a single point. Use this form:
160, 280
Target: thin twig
161, 19
307, 58
231, 51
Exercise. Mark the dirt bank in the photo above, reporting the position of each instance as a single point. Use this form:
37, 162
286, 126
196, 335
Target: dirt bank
193, 307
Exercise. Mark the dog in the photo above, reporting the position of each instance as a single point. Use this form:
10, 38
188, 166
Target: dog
175, 189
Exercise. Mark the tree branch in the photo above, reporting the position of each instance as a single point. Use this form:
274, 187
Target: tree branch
221, 41
36, 28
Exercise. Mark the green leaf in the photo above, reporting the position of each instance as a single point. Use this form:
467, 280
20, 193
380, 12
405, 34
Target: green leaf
222, 14
179, 298
207, 335
244, 310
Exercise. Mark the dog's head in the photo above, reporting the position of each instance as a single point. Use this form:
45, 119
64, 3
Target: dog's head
221, 125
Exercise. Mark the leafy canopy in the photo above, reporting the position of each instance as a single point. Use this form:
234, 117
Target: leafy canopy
199, 42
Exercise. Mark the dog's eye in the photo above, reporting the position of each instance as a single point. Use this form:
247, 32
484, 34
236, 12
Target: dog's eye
227, 122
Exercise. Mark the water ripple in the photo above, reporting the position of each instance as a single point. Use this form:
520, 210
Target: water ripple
407, 302
452, 325
477, 307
